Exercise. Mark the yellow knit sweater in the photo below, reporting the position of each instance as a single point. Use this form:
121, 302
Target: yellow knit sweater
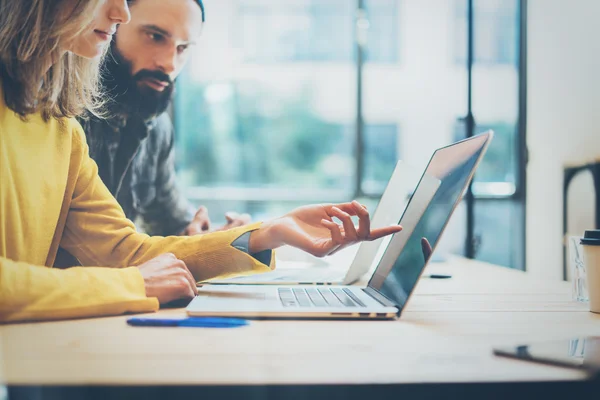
51, 195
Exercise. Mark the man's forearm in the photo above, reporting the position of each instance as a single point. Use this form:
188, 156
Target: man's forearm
167, 219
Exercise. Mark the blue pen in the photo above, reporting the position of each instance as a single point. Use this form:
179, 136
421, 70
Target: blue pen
198, 322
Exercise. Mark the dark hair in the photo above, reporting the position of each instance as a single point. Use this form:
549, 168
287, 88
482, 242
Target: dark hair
200, 3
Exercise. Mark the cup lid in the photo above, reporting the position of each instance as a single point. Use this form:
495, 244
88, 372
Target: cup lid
591, 238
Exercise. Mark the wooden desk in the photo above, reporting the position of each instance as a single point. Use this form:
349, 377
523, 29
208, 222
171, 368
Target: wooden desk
445, 336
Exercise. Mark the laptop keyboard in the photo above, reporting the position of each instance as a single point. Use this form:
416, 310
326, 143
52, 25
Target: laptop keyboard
318, 297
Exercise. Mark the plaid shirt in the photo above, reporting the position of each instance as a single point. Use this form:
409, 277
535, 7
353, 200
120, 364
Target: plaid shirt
136, 162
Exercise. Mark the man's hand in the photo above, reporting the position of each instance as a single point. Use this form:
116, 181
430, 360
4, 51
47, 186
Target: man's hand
200, 225
235, 220
167, 278
426, 248
312, 229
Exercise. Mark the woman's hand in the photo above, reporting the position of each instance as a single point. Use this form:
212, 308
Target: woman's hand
312, 229
168, 278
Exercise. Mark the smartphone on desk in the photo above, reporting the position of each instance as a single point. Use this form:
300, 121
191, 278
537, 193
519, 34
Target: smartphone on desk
580, 352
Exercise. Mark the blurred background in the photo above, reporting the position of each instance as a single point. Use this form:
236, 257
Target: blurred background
300, 101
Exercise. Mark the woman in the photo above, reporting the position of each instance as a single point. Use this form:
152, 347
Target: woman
51, 194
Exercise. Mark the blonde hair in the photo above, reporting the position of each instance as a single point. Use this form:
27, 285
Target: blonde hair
36, 74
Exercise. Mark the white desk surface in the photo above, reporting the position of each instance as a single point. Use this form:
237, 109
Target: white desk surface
446, 334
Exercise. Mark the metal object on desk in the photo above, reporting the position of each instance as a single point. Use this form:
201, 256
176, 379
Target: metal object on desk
577, 268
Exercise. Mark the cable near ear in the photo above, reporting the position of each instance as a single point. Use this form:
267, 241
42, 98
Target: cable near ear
202, 8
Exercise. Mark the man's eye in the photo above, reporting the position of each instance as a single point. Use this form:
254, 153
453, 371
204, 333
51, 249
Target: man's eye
155, 37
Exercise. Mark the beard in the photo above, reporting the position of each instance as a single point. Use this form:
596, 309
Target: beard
128, 94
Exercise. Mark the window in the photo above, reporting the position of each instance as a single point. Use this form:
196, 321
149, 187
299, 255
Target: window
266, 110
294, 31
495, 31
499, 210
381, 154
383, 33
241, 133
312, 30
498, 231
497, 174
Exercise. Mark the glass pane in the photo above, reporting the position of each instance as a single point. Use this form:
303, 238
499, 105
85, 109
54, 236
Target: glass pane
422, 93
498, 226
265, 103
495, 88
265, 111
499, 232
383, 36
497, 174
381, 155
293, 31
495, 31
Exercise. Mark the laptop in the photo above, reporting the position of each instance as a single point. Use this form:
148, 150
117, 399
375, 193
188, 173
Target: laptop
389, 210
397, 273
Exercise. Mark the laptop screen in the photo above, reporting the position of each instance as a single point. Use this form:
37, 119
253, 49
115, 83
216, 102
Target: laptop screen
426, 216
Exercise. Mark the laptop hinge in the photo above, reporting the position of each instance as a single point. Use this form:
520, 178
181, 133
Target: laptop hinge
379, 297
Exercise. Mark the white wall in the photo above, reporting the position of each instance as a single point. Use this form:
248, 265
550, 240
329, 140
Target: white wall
563, 121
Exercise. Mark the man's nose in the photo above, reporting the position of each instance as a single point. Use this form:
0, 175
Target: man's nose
167, 62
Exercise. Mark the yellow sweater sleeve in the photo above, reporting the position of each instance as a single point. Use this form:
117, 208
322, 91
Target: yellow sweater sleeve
30, 292
94, 229
97, 233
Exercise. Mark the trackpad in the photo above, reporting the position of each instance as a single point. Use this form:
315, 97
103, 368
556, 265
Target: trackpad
234, 295
241, 298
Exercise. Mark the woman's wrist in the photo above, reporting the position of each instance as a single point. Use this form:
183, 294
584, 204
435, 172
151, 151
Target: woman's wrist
265, 238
